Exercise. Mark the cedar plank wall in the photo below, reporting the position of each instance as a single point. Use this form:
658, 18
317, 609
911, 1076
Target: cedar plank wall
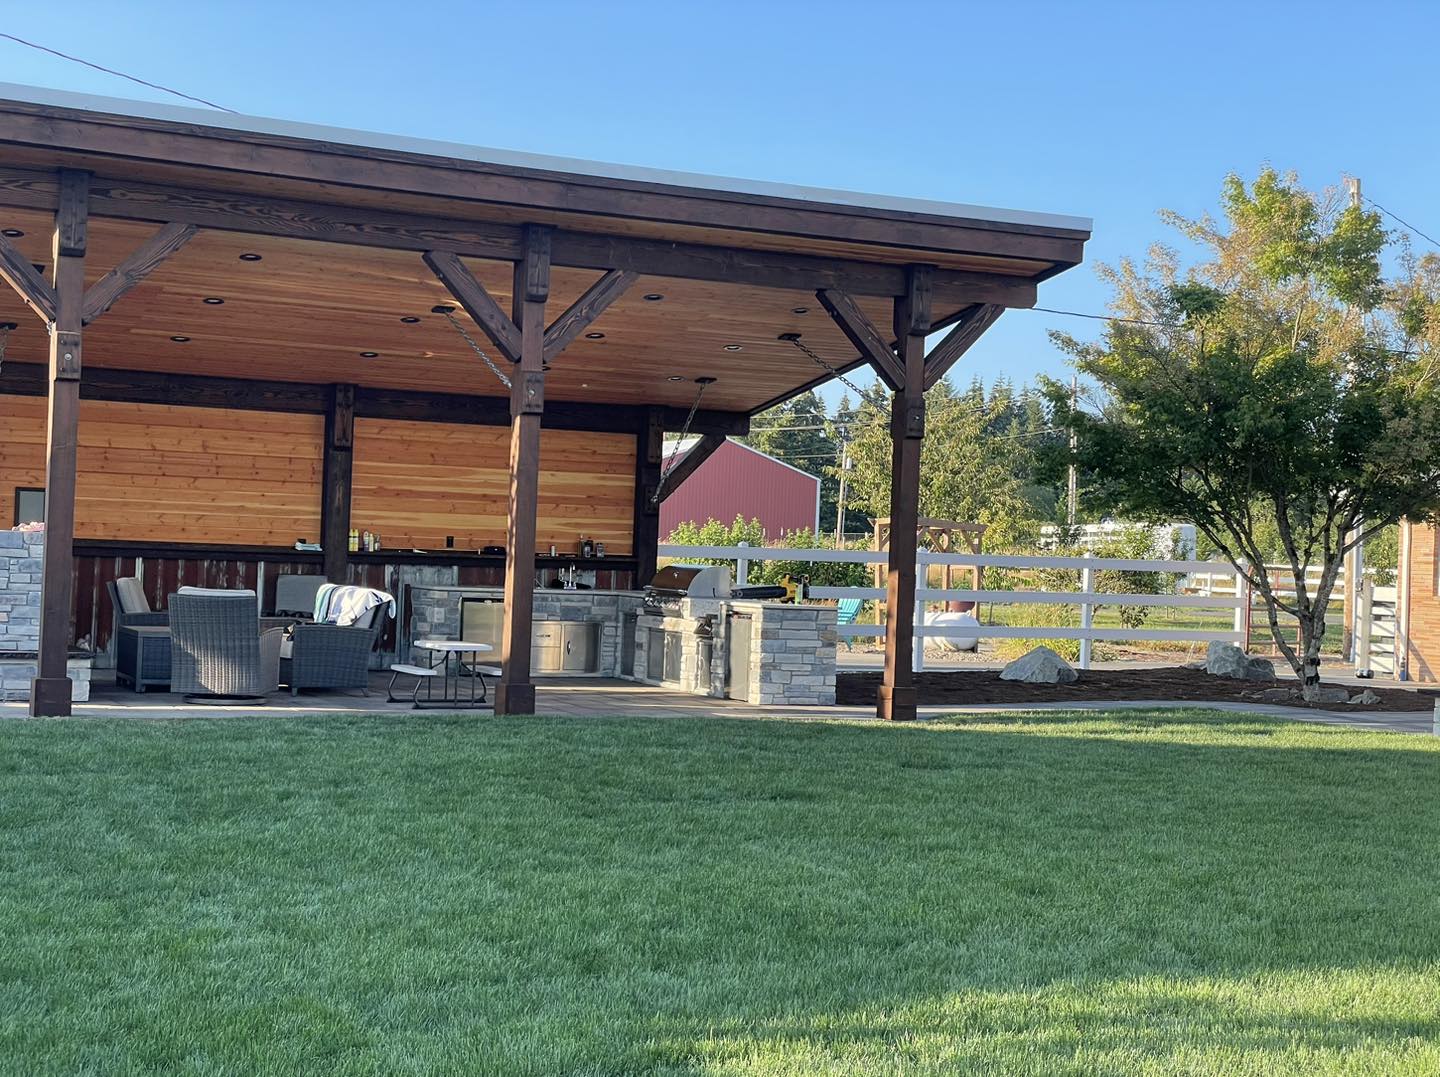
1423, 646
417, 483
158, 473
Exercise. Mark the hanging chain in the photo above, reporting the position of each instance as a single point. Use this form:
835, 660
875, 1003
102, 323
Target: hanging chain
674, 457
831, 369
5, 328
478, 350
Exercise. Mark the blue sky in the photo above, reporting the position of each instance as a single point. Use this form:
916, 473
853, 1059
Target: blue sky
1105, 110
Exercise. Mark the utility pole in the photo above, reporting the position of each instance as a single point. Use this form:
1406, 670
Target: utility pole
1070, 478
1355, 561
845, 466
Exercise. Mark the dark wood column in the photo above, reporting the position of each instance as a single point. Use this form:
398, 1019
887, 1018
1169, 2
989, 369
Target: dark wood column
649, 457
896, 698
515, 692
335, 492
50, 691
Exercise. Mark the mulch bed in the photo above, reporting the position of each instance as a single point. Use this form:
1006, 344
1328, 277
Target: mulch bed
985, 686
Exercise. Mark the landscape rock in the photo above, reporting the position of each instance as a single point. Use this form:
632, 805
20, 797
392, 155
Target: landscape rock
1278, 695
1040, 666
1228, 660
1366, 696
1333, 693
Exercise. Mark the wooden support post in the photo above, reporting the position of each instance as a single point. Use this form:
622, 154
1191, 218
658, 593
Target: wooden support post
50, 691
896, 697
335, 492
649, 459
515, 692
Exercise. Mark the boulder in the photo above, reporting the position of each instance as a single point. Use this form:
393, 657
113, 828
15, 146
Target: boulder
1040, 666
1332, 693
1366, 697
1228, 660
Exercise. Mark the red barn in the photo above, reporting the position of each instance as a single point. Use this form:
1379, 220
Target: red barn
737, 480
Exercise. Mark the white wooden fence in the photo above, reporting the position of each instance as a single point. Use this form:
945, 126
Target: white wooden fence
1086, 598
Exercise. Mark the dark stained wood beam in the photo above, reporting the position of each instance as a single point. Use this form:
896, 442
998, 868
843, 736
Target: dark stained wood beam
862, 333
895, 699
471, 295
514, 691
958, 341
237, 394
103, 294
362, 226
583, 312
51, 689
16, 271
701, 451
649, 460
335, 492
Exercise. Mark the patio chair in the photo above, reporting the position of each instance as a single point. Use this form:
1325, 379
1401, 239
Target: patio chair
295, 594
847, 611
332, 656
218, 653
129, 605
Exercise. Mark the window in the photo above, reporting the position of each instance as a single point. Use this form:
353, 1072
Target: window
29, 505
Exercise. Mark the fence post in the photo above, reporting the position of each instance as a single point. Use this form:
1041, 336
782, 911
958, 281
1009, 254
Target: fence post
917, 646
1242, 609
1087, 612
1364, 613
742, 567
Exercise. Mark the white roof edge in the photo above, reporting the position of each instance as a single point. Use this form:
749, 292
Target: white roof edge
678, 447
227, 121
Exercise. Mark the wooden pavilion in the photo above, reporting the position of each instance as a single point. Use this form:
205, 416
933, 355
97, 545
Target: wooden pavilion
229, 334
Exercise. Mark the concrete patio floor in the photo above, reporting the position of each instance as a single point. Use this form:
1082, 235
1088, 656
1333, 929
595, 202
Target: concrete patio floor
591, 697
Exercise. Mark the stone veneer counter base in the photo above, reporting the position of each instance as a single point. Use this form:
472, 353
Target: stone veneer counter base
21, 554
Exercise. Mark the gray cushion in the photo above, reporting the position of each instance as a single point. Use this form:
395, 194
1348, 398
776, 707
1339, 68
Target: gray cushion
132, 595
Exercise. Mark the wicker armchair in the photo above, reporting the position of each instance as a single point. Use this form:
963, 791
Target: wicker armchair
331, 656
217, 649
130, 606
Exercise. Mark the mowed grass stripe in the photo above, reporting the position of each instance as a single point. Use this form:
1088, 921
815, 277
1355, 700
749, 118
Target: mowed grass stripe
1139, 892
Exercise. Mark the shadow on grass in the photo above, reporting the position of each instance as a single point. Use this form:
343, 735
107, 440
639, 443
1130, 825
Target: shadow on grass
1062, 891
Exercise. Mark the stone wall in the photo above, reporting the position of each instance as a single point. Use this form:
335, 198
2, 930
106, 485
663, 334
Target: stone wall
20, 556
792, 656
21, 553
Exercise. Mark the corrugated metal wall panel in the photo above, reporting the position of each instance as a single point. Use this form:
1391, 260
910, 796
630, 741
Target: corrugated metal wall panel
737, 481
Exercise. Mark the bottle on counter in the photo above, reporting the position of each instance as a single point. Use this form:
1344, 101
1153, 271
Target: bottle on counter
599, 549
354, 541
587, 547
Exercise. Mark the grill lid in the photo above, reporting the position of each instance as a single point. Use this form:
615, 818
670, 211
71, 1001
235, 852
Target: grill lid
696, 581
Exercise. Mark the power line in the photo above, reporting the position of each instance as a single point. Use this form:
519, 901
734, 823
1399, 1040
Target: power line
1404, 223
112, 71
1105, 317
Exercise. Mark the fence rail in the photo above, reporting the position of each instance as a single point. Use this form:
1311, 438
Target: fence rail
1234, 598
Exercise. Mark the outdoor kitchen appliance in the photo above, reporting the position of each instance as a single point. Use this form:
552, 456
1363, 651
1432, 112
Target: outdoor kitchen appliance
674, 583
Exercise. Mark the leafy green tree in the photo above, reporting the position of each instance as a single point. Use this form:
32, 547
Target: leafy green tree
1282, 379
977, 462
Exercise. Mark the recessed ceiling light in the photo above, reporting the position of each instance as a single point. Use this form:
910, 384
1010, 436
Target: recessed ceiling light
369, 355
181, 340
594, 336
799, 310
675, 377
653, 297
250, 257
733, 347
12, 233
213, 300
409, 319
584, 385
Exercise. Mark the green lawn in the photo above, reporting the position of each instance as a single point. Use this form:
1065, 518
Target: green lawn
1133, 893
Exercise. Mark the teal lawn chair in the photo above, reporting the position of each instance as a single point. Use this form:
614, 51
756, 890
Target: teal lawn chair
847, 610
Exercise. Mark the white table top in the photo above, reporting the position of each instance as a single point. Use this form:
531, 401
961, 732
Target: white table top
454, 646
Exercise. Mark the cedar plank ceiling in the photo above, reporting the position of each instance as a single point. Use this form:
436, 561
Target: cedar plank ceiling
307, 309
